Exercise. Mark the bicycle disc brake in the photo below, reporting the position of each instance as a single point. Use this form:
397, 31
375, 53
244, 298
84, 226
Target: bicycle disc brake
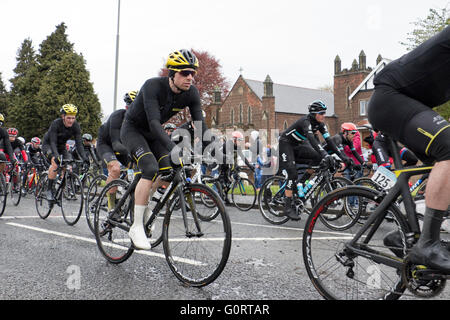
421, 281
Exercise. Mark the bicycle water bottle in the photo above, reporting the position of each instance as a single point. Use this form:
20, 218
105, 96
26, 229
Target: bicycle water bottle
130, 174
300, 190
158, 194
309, 184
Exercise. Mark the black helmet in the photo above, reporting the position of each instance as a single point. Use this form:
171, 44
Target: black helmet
317, 106
87, 137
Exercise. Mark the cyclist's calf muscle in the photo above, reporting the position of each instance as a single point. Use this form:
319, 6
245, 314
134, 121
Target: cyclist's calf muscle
437, 193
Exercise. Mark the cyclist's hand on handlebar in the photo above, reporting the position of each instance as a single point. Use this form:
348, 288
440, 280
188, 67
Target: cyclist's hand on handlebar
327, 162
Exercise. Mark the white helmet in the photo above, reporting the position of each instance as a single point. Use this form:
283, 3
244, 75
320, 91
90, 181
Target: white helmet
254, 134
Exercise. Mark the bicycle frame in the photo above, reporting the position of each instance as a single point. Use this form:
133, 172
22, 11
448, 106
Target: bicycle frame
402, 188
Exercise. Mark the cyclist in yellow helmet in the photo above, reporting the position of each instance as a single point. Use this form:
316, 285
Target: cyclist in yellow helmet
54, 143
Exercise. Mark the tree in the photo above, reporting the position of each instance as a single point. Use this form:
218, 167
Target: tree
208, 78
21, 112
3, 96
44, 82
435, 22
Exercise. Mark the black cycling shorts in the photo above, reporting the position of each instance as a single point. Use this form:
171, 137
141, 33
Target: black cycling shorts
107, 153
149, 154
410, 122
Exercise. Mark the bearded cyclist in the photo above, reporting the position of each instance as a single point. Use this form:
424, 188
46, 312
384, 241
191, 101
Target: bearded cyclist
54, 145
142, 132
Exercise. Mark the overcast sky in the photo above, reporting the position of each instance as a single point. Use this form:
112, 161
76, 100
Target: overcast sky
295, 42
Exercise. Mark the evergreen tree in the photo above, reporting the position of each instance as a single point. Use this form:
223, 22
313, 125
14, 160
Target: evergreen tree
21, 112
68, 82
3, 96
45, 81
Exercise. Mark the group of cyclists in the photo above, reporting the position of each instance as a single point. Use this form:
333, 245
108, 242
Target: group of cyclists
406, 90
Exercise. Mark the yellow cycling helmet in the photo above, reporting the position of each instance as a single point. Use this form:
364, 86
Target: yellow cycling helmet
69, 109
2, 118
130, 96
182, 59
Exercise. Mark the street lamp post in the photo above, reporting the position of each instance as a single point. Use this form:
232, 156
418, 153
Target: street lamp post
117, 58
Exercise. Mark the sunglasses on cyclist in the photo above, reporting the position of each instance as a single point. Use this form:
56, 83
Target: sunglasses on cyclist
321, 113
186, 73
352, 132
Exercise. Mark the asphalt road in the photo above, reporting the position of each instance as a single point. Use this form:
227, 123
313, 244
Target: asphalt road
47, 259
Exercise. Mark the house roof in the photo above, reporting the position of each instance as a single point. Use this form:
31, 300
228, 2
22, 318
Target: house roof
292, 99
367, 83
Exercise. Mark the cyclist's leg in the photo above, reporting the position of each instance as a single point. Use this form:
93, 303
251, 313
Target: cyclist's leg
138, 147
287, 165
427, 134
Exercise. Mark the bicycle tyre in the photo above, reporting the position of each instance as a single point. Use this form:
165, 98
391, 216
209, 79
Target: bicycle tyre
93, 192
43, 206
328, 264
72, 199
112, 240
15, 187
271, 207
200, 269
3, 194
242, 199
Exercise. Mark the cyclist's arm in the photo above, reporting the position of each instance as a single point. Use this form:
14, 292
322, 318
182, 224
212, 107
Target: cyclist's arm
52, 138
313, 140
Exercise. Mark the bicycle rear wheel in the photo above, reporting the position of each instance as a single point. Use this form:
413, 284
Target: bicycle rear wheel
271, 200
243, 194
337, 271
197, 250
43, 205
72, 199
111, 232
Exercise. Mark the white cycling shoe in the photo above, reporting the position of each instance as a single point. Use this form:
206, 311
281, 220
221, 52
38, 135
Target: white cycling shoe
137, 233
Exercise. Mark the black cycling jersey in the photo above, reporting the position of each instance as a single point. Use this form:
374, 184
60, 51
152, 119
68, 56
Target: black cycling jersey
34, 155
18, 146
110, 130
57, 135
5, 144
156, 103
304, 130
341, 142
424, 73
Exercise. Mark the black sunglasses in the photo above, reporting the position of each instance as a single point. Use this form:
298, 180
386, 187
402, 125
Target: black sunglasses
186, 73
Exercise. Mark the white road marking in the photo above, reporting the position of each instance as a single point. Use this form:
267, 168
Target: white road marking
71, 236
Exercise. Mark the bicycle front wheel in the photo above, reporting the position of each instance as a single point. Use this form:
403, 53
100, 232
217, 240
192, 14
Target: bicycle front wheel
72, 199
43, 205
374, 270
271, 200
91, 197
197, 250
243, 194
15, 187
111, 231
3, 194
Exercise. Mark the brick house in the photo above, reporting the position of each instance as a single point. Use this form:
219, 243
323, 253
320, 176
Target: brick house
253, 104
353, 88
